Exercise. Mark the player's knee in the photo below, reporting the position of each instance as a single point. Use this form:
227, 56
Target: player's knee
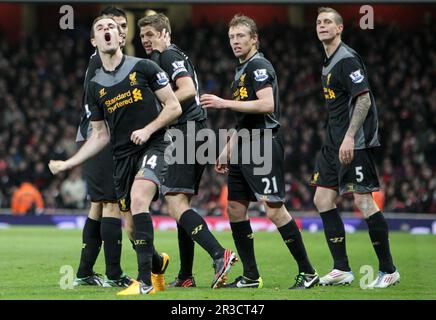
365, 203
139, 203
236, 211
111, 210
323, 203
276, 212
174, 211
177, 204
96, 211
272, 214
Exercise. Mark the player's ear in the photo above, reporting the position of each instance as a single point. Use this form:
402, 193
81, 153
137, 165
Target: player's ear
255, 37
340, 28
94, 44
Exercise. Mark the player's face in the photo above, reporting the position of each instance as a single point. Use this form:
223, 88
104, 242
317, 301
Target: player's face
106, 36
326, 27
241, 40
148, 35
122, 23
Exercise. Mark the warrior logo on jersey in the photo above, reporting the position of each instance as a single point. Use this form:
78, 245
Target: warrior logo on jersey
356, 76
260, 75
162, 78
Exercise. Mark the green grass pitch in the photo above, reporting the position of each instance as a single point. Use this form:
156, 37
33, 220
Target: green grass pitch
31, 258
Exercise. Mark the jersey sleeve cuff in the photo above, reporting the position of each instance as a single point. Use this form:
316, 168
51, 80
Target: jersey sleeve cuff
263, 87
360, 93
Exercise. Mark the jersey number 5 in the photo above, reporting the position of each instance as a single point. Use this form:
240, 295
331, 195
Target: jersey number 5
359, 174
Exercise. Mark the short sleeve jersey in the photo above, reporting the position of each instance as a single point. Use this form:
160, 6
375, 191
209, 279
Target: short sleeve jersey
178, 65
251, 76
125, 98
344, 78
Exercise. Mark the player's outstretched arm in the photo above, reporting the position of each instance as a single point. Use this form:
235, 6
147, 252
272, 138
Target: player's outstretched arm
98, 140
263, 104
171, 111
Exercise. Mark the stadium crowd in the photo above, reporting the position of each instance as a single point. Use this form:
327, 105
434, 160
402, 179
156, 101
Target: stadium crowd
41, 92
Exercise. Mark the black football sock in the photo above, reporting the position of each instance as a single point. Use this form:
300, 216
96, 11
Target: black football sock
156, 262
244, 241
197, 228
334, 232
111, 234
144, 234
292, 237
379, 234
91, 244
186, 252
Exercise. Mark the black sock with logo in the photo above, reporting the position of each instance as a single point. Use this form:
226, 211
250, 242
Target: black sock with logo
198, 230
91, 244
244, 242
111, 234
144, 235
334, 232
292, 237
379, 234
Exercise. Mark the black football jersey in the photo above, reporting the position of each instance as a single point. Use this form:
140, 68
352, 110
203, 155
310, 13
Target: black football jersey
344, 78
125, 99
255, 74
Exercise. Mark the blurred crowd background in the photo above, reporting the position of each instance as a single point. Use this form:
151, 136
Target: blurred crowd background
41, 79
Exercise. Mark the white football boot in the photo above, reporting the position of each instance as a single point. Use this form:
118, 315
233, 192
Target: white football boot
385, 280
337, 277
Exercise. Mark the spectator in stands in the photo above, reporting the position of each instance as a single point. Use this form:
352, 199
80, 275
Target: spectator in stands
27, 200
73, 190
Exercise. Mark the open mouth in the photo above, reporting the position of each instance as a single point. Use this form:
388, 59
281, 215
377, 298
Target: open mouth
107, 36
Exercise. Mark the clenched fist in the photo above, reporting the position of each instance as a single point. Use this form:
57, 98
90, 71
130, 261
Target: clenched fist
140, 136
57, 166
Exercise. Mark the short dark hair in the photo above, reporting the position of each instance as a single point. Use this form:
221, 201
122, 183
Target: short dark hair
113, 11
159, 21
240, 19
337, 17
100, 18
